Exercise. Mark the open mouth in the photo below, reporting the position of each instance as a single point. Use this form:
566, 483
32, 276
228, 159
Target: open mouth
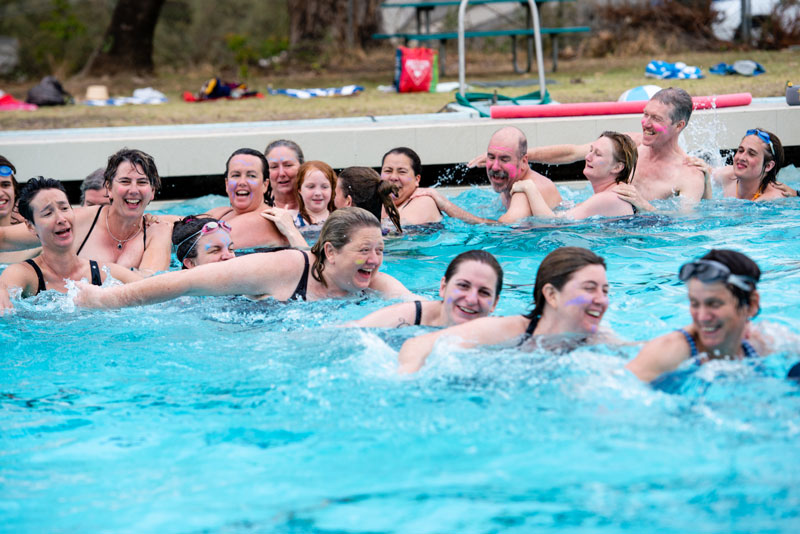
466, 311
365, 273
594, 313
133, 202
64, 232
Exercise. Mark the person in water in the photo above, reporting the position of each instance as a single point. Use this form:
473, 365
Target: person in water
246, 184
284, 157
722, 300
199, 240
93, 189
470, 289
570, 298
363, 187
316, 183
9, 192
48, 215
611, 160
402, 167
345, 261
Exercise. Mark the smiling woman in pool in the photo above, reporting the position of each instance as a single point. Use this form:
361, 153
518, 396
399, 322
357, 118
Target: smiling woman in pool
570, 297
470, 289
284, 157
402, 167
343, 262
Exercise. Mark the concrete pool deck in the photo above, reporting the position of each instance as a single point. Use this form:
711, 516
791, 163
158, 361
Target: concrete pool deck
444, 138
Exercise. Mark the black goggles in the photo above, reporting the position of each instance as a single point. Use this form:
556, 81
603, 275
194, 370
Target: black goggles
709, 271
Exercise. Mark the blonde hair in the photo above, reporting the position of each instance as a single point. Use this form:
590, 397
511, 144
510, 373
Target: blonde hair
338, 230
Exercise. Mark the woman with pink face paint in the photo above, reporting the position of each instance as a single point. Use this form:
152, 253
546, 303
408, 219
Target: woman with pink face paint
246, 184
470, 289
284, 158
570, 299
611, 160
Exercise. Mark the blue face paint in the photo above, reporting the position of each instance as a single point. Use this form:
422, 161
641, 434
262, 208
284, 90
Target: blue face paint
579, 301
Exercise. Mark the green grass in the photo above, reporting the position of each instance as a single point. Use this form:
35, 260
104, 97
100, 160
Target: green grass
578, 80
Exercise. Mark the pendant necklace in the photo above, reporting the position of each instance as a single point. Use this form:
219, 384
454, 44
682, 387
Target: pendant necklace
121, 242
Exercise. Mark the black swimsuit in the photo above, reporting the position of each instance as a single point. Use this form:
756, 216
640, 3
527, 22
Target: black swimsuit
96, 279
302, 285
94, 222
417, 312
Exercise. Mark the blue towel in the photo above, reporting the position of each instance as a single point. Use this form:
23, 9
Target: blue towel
744, 67
664, 70
347, 90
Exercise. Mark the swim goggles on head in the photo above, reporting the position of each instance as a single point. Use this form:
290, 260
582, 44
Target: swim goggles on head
709, 271
764, 136
5, 170
207, 228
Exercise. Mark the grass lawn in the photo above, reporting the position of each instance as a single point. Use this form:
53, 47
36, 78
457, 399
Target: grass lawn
577, 80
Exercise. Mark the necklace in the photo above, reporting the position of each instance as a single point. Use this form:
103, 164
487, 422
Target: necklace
121, 242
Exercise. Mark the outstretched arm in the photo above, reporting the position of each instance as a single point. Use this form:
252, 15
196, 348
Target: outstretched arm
658, 356
391, 288
393, 316
536, 202
17, 237
446, 206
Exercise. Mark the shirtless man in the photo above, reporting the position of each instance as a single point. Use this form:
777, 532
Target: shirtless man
246, 181
506, 163
663, 170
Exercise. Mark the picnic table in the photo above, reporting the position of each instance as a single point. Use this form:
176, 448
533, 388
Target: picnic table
423, 33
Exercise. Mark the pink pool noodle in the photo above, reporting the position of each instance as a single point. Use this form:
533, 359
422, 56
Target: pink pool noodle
610, 108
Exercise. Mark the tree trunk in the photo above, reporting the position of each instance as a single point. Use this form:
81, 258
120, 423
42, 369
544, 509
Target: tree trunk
128, 42
319, 23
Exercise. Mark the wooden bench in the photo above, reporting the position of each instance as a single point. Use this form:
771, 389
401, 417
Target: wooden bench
424, 8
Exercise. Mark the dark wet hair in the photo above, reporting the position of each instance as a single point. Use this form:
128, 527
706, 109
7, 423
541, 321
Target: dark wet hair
14, 183
137, 158
774, 153
29, 192
94, 182
679, 101
264, 166
368, 191
625, 152
416, 163
338, 230
739, 264
306, 169
291, 145
182, 230
480, 256
556, 269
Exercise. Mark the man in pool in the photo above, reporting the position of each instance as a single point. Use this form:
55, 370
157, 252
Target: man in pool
722, 300
662, 171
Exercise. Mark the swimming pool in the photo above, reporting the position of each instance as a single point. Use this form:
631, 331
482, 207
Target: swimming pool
221, 415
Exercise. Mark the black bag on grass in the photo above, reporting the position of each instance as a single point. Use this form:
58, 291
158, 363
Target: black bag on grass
49, 92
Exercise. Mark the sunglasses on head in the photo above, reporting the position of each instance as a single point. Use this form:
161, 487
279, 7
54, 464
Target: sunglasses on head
207, 228
709, 271
764, 136
5, 170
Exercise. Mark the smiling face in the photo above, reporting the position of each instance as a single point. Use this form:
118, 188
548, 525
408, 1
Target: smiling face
245, 183
352, 267
470, 293
283, 166
600, 162
316, 192
504, 164
582, 301
657, 127
748, 162
211, 248
397, 169
130, 190
53, 219
716, 314
7, 197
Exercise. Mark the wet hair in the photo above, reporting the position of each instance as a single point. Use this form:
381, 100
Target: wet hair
522, 141
679, 101
625, 152
137, 158
556, 269
368, 191
416, 163
31, 189
14, 183
306, 169
770, 154
94, 182
338, 230
481, 256
291, 145
740, 264
182, 230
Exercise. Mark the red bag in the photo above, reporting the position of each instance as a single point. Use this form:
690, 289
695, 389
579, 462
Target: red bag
414, 69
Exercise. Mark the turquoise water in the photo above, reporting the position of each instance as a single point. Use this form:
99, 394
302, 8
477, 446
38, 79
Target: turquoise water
222, 415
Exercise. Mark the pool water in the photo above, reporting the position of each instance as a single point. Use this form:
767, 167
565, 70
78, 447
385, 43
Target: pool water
223, 415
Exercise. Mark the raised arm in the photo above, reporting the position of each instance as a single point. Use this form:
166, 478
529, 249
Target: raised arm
558, 154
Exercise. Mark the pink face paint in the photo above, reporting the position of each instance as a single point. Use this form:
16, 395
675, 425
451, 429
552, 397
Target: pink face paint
501, 149
511, 170
659, 128
243, 162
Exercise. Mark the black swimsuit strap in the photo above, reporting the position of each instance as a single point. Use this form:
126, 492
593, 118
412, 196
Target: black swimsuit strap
97, 280
302, 285
91, 228
417, 312
224, 214
144, 233
39, 275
